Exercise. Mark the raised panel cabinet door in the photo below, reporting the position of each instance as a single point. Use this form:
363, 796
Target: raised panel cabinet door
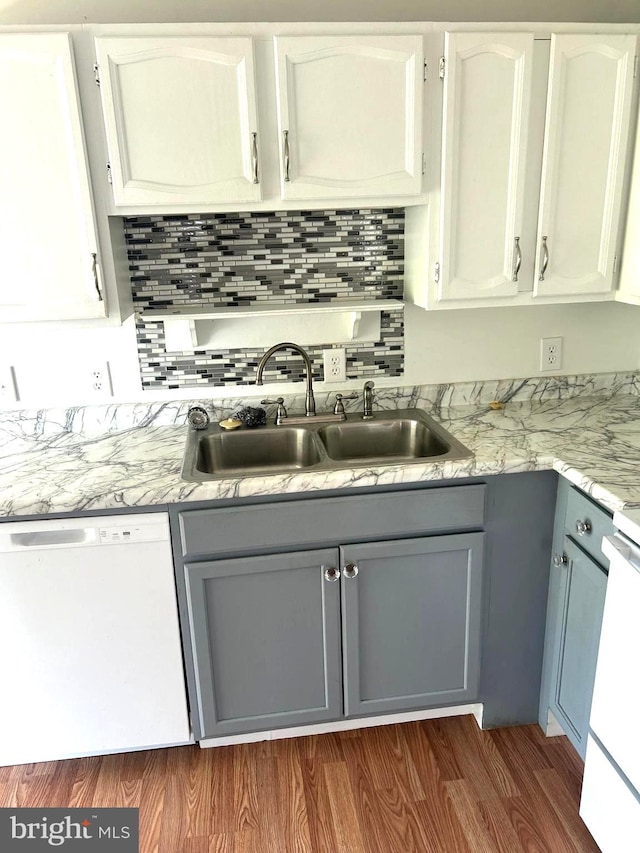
411, 617
265, 637
586, 139
349, 115
180, 116
487, 94
48, 239
582, 609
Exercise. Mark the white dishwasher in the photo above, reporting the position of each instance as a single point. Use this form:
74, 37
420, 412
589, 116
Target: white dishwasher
90, 653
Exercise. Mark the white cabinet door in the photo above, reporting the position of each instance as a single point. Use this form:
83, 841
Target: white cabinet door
586, 135
180, 115
47, 232
349, 115
486, 110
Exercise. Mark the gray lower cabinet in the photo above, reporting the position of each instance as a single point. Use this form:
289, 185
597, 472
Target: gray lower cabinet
270, 652
411, 622
582, 590
577, 591
266, 640
312, 608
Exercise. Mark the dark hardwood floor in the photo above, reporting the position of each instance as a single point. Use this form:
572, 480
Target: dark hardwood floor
441, 786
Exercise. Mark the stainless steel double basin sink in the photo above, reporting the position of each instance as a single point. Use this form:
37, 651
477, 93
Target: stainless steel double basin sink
389, 437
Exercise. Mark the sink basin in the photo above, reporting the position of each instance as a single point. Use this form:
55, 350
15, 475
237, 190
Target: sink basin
394, 437
401, 437
264, 450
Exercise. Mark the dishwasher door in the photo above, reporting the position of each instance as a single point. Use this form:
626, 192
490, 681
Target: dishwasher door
90, 653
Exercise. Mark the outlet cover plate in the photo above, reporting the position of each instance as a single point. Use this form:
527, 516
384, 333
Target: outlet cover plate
335, 365
550, 354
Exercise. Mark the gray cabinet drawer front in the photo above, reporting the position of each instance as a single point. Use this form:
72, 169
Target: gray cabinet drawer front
336, 520
581, 509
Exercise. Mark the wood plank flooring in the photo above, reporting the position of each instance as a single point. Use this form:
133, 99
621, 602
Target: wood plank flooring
440, 786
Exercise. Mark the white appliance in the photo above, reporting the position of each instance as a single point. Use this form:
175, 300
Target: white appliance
90, 653
610, 803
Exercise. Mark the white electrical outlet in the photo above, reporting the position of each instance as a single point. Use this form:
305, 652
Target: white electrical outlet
335, 365
550, 354
100, 380
8, 391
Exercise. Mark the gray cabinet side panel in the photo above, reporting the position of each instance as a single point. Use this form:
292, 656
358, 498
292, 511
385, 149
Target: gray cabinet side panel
519, 525
557, 588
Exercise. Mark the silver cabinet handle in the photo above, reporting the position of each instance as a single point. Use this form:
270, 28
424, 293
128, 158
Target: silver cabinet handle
350, 570
285, 153
94, 271
254, 157
545, 259
583, 527
332, 574
517, 259
560, 560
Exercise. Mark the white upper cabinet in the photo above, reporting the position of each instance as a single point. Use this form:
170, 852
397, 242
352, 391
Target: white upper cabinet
180, 116
47, 231
535, 137
487, 92
586, 133
349, 115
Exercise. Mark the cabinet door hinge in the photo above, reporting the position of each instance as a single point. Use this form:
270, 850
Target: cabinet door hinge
424, 163
425, 70
436, 272
96, 73
109, 175
635, 65
441, 67
615, 264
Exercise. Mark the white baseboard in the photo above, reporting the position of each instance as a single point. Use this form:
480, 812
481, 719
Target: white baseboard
553, 728
346, 725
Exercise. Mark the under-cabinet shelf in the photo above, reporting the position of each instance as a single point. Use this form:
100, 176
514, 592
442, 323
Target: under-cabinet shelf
190, 327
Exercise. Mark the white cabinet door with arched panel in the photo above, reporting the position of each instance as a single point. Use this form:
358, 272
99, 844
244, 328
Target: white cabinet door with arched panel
585, 147
350, 115
48, 237
487, 93
180, 116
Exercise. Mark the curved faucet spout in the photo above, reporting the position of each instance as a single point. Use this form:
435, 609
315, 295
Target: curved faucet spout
310, 403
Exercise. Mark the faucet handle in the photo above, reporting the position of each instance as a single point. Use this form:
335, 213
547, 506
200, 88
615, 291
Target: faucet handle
281, 412
338, 409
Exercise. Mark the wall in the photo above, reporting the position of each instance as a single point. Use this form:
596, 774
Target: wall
126, 11
465, 345
54, 364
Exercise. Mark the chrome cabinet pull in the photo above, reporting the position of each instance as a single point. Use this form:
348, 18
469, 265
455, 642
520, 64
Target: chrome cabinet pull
350, 570
517, 259
94, 271
285, 153
545, 259
332, 574
254, 157
583, 527
560, 560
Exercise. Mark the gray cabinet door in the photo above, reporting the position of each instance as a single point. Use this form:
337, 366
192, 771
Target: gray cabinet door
411, 622
584, 590
265, 634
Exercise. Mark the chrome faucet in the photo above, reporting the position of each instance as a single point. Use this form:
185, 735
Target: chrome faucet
367, 396
310, 403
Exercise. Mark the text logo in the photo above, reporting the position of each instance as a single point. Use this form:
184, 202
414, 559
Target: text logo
73, 830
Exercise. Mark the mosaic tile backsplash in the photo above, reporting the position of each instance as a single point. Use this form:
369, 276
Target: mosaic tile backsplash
241, 259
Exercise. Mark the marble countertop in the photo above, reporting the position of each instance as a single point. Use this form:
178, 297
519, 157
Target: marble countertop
594, 441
